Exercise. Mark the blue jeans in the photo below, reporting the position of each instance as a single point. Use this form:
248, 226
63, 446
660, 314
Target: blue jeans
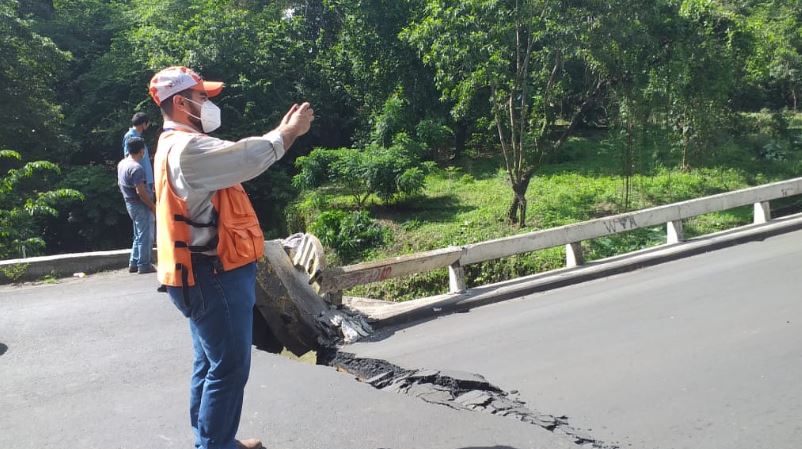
152, 216
142, 248
220, 311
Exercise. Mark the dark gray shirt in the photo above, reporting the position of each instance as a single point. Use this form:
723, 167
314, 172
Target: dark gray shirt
129, 174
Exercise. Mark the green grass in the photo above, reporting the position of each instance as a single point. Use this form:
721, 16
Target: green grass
15, 272
467, 203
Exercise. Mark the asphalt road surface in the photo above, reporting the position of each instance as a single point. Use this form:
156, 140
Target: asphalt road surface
704, 352
104, 363
699, 353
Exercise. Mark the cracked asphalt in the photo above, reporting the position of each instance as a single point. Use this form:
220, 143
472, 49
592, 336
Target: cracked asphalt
104, 362
699, 353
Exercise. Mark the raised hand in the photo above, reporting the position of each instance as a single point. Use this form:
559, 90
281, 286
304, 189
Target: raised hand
286, 119
296, 122
302, 117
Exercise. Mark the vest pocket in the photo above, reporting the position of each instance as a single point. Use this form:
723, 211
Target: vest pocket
240, 202
244, 241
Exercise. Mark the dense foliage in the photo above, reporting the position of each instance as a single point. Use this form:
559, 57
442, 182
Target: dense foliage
350, 234
395, 83
386, 172
26, 202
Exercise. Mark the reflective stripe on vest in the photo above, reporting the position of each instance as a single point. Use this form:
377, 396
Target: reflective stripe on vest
239, 238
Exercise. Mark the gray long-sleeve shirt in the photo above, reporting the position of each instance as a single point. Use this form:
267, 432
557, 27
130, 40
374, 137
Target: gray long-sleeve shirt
198, 165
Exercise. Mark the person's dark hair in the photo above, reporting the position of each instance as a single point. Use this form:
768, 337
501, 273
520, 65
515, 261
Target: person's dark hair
135, 145
140, 118
167, 103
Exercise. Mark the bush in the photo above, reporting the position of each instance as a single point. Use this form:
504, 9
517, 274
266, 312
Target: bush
405, 145
435, 137
101, 222
773, 124
349, 234
768, 135
315, 169
394, 118
429, 167
270, 193
375, 170
299, 215
26, 201
411, 181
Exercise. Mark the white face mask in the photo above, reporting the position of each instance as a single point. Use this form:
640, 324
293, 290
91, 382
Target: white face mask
210, 115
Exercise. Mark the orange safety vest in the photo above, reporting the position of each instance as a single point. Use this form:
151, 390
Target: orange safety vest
239, 238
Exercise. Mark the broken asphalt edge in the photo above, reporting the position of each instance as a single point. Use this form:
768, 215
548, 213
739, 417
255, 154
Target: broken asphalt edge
409, 312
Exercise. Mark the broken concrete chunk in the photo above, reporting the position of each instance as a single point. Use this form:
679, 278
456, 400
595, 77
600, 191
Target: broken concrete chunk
296, 316
442, 388
424, 374
546, 419
438, 397
501, 403
350, 333
376, 381
519, 409
579, 435
466, 381
477, 398
395, 387
418, 390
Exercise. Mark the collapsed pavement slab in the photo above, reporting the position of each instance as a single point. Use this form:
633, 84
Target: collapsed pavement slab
289, 313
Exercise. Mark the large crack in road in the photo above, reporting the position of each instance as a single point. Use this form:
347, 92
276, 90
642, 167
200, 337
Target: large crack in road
301, 320
454, 389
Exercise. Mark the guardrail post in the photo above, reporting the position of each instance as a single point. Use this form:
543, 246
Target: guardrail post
762, 212
674, 232
573, 255
456, 278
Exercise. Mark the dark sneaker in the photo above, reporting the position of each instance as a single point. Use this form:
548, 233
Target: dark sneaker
146, 269
132, 268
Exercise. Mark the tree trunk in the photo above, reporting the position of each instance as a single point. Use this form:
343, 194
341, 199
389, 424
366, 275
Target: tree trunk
628, 165
522, 210
460, 137
685, 145
517, 211
512, 213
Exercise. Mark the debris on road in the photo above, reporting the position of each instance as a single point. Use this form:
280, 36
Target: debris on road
291, 314
457, 390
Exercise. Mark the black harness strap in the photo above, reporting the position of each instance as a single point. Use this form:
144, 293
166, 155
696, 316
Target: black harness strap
195, 250
179, 217
199, 248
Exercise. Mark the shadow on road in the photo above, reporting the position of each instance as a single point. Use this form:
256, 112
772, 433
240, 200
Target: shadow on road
3, 349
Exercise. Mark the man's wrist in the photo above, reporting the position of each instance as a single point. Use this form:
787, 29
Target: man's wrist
288, 135
287, 132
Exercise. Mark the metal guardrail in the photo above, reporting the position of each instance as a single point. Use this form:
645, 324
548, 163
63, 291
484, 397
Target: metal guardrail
455, 258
